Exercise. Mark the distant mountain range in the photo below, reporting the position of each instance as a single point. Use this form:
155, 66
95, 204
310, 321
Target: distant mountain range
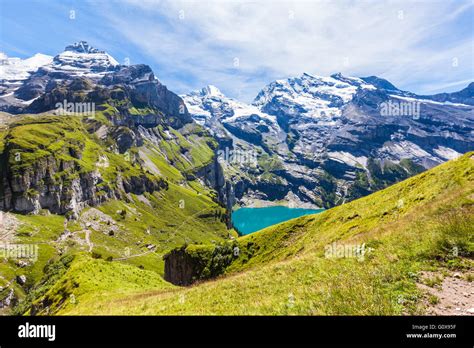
323, 140
317, 141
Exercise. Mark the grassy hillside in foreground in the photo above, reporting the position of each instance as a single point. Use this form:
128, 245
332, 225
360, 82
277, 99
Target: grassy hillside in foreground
411, 227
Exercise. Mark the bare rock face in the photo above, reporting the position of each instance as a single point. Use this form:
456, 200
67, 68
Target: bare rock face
184, 266
37, 188
125, 138
179, 268
21, 279
61, 185
34, 190
144, 89
8, 298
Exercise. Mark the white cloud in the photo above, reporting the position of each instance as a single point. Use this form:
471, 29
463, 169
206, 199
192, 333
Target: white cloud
398, 40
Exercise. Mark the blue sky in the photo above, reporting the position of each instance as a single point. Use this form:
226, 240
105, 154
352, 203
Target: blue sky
240, 46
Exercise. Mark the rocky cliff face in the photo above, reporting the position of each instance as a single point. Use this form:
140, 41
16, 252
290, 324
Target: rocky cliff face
61, 174
180, 269
143, 89
36, 189
186, 265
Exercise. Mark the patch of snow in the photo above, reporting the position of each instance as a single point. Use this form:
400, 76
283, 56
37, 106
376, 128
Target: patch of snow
405, 149
348, 158
211, 90
242, 109
28, 102
446, 153
428, 101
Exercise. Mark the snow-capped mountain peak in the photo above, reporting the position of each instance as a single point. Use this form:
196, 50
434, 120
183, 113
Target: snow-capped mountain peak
14, 71
211, 91
23, 80
17, 69
39, 59
82, 47
83, 59
309, 95
210, 102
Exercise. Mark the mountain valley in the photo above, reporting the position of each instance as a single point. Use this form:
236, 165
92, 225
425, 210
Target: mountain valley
128, 194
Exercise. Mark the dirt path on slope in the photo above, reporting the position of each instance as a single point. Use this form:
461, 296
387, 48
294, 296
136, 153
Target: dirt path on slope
453, 295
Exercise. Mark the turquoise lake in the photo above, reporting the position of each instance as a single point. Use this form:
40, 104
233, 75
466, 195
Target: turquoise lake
249, 220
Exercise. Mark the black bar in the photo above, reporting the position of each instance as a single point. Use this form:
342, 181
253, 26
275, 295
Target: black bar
136, 331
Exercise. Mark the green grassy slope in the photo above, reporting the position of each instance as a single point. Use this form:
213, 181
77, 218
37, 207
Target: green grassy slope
410, 227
